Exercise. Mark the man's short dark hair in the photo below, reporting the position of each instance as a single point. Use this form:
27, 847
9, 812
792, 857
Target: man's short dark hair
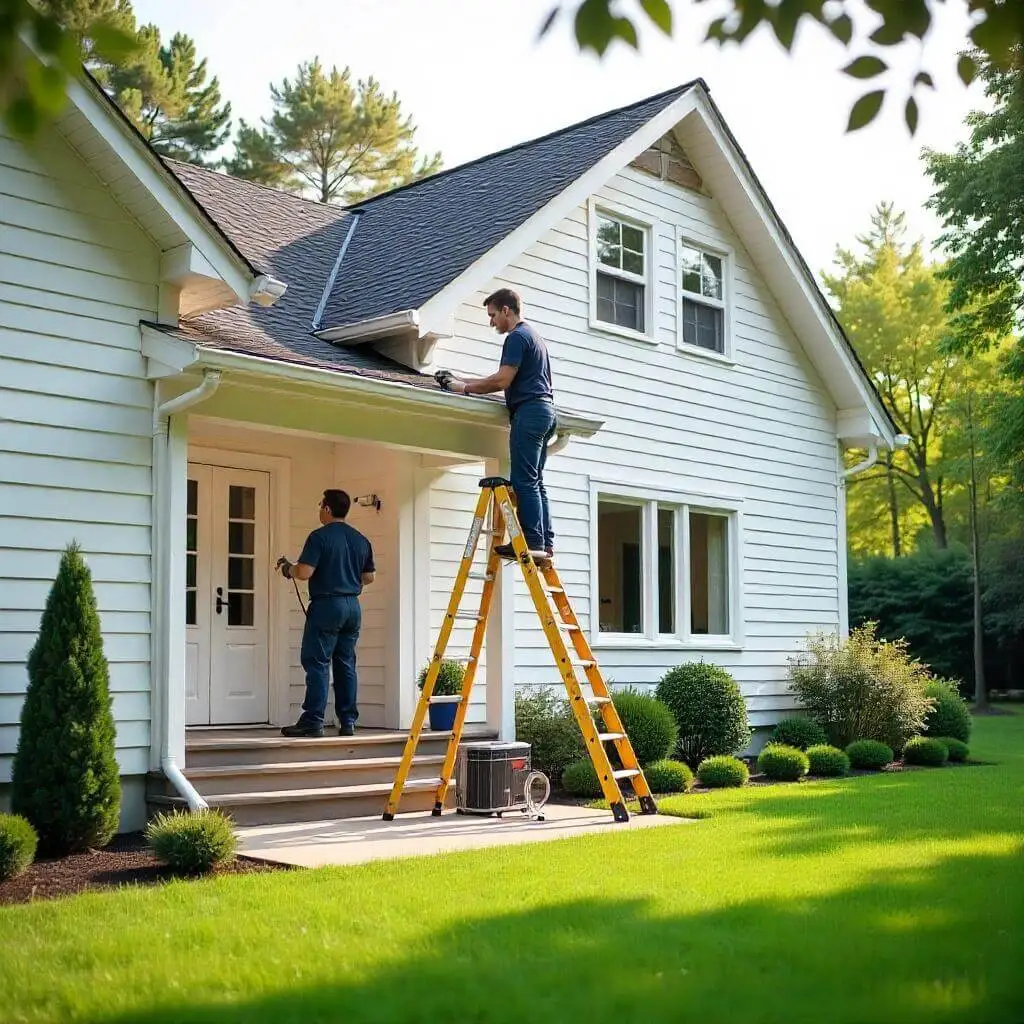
504, 297
338, 502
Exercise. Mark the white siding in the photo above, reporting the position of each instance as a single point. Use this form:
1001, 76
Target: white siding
76, 276
453, 498
762, 431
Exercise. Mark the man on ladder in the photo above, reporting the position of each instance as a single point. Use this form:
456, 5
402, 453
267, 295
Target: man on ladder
524, 374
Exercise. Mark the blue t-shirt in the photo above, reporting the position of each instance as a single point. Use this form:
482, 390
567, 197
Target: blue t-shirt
340, 555
525, 348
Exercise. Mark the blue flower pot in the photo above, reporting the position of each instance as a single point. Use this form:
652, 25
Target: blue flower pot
442, 717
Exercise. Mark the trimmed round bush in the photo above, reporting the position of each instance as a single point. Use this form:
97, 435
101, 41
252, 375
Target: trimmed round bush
18, 845
951, 715
782, 763
722, 770
580, 778
193, 842
545, 721
827, 760
798, 732
926, 750
868, 755
709, 709
667, 776
957, 751
649, 724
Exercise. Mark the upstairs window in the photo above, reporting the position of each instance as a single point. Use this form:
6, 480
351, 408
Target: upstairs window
621, 273
703, 298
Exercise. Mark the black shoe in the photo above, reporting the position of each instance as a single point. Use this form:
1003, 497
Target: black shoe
346, 730
505, 551
310, 731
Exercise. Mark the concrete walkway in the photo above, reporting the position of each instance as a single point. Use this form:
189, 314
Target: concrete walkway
355, 840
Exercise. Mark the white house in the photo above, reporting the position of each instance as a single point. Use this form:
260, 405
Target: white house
188, 360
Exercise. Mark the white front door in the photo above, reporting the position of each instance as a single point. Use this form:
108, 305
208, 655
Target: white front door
227, 596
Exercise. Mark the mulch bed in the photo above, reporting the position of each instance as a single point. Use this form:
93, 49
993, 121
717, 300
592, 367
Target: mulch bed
126, 861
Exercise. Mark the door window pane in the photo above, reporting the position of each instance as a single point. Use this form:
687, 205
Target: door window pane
191, 547
709, 574
240, 573
240, 609
666, 570
620, 567
242, 503
241, 538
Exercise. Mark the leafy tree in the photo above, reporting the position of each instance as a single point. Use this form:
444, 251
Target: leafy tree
65, 776
892, 305
331, 137
998, 26
164, 91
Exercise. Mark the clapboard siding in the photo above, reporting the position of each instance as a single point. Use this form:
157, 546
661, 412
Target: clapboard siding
453, 498
761, 433
76, 276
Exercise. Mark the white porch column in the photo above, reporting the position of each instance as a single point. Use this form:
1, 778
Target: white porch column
170, 474
501, 640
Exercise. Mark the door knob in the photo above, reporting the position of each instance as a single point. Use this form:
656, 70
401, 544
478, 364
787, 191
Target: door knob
220, 599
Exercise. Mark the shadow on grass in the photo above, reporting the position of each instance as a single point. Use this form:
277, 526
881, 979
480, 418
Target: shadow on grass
939, 944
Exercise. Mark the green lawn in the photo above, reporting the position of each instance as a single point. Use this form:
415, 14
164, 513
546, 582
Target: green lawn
890, 898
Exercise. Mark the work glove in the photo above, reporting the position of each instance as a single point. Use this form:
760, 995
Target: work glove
444, 378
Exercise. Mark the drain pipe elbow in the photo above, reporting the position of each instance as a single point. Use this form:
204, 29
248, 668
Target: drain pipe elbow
863, 465
210, 383
177, 779
559, 443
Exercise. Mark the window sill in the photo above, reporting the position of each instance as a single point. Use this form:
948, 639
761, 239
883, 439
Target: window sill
621, 332
611, 642
705, 353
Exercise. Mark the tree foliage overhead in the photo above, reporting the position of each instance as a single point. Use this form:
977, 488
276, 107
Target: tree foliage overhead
331, 137
892, 306
998, 26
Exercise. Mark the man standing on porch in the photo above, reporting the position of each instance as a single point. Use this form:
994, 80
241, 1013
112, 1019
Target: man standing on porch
338, 562
524, 374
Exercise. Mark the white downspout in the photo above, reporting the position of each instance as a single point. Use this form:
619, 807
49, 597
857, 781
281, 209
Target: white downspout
173, 717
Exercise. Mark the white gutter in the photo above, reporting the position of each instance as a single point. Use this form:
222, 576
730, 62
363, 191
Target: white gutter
211, 381
377, 327
485, 411
902, 440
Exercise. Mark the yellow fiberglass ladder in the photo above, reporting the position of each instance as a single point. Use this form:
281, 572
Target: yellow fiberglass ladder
495, 507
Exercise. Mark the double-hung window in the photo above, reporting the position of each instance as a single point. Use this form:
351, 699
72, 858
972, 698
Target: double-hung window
665, 571
621, 273
703, 298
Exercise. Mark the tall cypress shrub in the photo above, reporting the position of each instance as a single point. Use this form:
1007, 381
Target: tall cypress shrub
65, 774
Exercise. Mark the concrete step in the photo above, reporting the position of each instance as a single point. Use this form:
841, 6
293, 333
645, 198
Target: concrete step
357, 771
265, 747
325, 803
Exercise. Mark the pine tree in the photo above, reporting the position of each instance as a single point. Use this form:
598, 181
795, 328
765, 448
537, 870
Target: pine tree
331, 138
65, 776
164, 92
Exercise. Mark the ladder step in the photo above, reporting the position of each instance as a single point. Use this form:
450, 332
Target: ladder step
468, 615
608, 737
553, 590
568, 627
446, 698
481, 576
602, 700
626, 773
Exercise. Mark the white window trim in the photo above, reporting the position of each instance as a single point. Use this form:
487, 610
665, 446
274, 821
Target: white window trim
594, 208
727, 255
686, 502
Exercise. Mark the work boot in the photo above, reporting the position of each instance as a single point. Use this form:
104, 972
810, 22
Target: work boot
303, 731
346, 729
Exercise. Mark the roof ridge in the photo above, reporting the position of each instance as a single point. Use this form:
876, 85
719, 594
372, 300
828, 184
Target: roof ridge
686, 86
255, 184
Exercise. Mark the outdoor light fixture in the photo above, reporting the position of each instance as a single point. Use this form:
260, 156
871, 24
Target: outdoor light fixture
369, 501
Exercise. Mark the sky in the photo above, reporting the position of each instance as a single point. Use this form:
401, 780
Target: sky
475, 78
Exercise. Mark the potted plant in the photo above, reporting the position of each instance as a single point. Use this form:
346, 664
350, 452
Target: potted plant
448, 682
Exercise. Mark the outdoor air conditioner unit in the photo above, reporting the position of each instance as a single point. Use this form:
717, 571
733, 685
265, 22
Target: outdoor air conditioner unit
494, 777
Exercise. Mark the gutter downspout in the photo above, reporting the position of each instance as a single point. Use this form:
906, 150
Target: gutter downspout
863, 465
173, 718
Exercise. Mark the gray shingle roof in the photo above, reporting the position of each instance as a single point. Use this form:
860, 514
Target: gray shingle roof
411, 242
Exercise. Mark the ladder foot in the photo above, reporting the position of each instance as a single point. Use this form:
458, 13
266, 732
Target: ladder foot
436, 812
388, 816
647, 805
619, 811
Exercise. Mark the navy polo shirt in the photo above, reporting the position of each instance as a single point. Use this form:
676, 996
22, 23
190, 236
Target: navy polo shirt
340, 555
525, 348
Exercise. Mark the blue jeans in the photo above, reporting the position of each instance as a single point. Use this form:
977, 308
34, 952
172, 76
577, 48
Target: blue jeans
533, 423
329, 641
